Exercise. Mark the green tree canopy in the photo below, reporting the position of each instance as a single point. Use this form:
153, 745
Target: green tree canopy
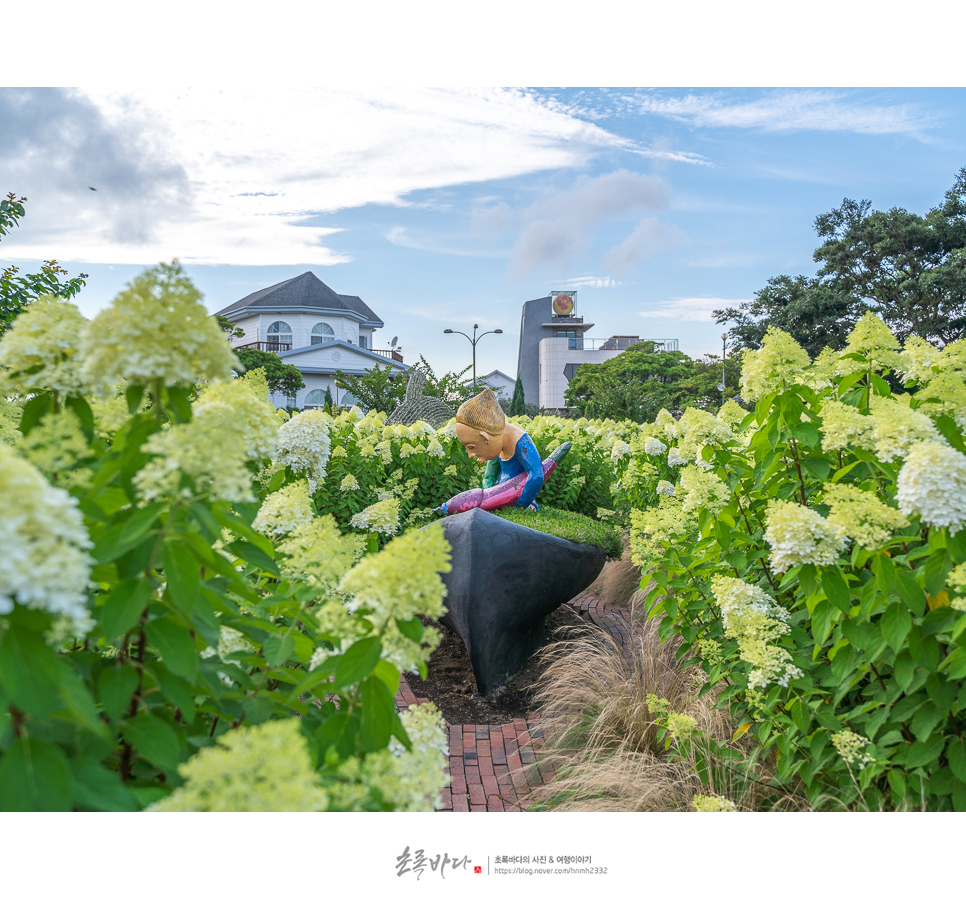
281, 377
810, 310
641, 380
17, 290
384, 388
909, 269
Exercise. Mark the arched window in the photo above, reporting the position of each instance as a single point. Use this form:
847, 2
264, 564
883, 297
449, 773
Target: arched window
314, 399
348, 399
322, 333
280, 333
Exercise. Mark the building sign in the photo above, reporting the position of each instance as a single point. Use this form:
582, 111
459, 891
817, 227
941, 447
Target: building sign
563, 302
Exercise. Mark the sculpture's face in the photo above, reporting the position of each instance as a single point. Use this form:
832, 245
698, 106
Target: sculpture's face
478, 444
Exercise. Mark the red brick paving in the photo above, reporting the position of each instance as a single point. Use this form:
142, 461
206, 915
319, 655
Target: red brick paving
495, 767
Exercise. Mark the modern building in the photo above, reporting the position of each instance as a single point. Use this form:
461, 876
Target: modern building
553, 345
315, 330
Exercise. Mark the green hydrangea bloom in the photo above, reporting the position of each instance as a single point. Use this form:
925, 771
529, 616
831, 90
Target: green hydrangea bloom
773, 367
798, 535
402, 580
284, 510
42, 350
860, 515
157, 329
261, 768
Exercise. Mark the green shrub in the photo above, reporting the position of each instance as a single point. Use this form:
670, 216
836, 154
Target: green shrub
815, 567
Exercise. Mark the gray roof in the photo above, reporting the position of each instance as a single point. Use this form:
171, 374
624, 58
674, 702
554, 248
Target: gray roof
304, 291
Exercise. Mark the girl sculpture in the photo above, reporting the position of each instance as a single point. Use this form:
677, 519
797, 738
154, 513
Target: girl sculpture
514, 472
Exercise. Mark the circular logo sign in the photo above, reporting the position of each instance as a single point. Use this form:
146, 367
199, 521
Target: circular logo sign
563, 305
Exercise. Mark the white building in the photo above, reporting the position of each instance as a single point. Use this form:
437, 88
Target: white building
315, 330
500, 384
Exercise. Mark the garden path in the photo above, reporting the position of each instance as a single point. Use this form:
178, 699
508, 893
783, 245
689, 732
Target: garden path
495, 767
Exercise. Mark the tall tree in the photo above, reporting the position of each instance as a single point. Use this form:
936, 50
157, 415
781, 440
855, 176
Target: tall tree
17, 290
808, 309
518, 403
909, 269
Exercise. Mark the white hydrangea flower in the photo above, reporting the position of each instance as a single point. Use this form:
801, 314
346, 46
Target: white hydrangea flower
752, 618
844, 427
44, 562
674, 458
304, 445
898, 428
284, 510
46, 335
230, 426
157, 329
849, 746
702, 489
419, 428
932, 484
435, 449
382, 517
653, 447
773, 367
349, 484
409, 781
619, 449
712, 803
665, 488
798, 535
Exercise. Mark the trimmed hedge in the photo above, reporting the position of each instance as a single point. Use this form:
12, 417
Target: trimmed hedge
568, 525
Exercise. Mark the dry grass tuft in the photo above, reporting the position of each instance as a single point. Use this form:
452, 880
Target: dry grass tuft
617, 582
601, 737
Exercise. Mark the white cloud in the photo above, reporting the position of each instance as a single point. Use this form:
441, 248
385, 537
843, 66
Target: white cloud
399, 236
558, 229
591, 281
251, 164
690, 309
648, 237
790, 110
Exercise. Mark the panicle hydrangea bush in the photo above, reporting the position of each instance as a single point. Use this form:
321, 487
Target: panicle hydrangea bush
157, 649
821, 589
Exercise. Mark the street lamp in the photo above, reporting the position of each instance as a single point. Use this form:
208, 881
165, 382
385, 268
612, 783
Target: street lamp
721, 386
473, 342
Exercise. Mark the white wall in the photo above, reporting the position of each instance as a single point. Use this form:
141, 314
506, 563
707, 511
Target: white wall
555, 354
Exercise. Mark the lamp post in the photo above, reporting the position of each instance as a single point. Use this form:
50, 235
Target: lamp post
473, 342
721, 386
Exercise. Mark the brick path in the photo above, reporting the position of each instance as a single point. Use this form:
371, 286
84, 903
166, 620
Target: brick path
495, 767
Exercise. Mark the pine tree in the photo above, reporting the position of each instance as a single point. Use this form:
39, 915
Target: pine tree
517, 404
328, 399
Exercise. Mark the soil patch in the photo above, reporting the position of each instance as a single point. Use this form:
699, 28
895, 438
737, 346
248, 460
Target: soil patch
450, 683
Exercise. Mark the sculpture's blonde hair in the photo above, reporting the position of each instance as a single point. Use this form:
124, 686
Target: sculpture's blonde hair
482, 413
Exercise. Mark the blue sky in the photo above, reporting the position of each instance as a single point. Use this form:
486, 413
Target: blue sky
448, 207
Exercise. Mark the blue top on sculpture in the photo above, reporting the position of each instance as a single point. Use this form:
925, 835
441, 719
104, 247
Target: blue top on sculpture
483, 430
525, 459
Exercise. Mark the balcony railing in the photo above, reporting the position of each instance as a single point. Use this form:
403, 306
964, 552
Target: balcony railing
394, 355
266, 346
286, 346
617, 343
